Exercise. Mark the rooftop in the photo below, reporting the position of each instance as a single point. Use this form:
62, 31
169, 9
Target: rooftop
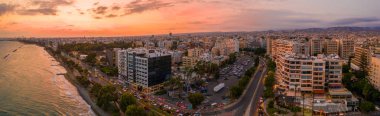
339, 91
149, 53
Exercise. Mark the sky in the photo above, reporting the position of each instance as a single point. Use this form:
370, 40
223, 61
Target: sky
78, 18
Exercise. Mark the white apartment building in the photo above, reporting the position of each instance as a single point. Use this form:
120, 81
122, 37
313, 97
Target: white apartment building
307, 74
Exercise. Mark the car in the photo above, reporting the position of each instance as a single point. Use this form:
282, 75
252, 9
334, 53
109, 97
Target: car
261, 100
197, 114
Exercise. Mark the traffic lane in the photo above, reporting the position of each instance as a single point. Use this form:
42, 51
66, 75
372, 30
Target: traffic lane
249, 93
255, 102
247, 99
244, 100
241, 103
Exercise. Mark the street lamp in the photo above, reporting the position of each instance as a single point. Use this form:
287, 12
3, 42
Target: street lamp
303, 103
295, 94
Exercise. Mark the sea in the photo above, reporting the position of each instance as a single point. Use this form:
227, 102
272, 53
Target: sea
31, 84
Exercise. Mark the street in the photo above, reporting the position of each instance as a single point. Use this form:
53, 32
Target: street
254, 92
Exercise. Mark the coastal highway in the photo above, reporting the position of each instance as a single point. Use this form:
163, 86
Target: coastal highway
252, 96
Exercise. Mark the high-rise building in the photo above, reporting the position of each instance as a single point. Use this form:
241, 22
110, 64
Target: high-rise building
316, 45
374, 71
346, 48
362, 57
331, 46
146, 69
333, 71
122, 63
269, 46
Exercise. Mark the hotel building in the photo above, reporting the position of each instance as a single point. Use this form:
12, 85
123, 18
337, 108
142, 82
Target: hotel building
144, 69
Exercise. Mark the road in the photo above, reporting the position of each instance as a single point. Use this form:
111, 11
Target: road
254, 91
93, 77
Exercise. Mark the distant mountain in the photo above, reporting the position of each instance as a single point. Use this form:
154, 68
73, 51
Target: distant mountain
340, 29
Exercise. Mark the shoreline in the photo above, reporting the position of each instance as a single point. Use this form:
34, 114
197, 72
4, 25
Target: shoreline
83, 92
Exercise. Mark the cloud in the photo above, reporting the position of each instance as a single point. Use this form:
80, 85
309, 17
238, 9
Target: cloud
195, 22
351, 21
100, 10
115, 8
97, 17
44, 11
139, 6
111, 16
305, 20
44, 7
6, 8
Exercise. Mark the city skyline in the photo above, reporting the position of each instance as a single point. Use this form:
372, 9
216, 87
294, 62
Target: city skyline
68, 18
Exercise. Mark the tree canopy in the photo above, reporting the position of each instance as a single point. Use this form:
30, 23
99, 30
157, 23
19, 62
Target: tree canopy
196, 99
126, 100
134, 110
105, 95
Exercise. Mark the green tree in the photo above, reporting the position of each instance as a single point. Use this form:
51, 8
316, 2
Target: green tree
133, 110
216, 75
269, 83
105, 96
126, 100
231, 58
375, 96
363, 65
196, 99
243, 82
271, 65
236, 91
346, 80
151, 113
271, 104
96, 88
367, 90
367, 106
91, 58
345, 68
83, 81
270, 80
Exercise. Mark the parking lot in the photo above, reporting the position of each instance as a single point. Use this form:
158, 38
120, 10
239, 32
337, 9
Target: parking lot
229, 76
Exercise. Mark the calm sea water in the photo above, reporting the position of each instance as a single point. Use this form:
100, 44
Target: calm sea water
29, 84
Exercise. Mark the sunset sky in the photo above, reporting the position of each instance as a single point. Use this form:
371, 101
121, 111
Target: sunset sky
67, 18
